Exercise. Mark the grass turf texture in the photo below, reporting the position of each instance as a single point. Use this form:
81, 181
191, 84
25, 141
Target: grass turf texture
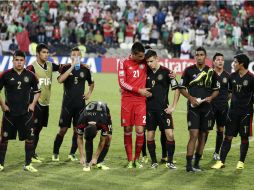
69, 175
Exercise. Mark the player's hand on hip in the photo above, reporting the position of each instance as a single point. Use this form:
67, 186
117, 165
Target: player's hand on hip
86, 96
145, 92
30, 108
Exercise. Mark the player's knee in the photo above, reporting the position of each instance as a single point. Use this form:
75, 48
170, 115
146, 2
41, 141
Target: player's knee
63, 131
228, 138
244, 140
29, 141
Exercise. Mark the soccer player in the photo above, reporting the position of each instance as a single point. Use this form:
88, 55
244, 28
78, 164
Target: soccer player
73, 76
43, 70
96, 116
132, 81
239, 118
17, 115
159, 113
200, 86
220, 103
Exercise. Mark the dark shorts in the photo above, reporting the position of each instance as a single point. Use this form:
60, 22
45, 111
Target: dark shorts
239, 123
200, 118
21, 124
161, 119
68, 115
220, 115
41, 115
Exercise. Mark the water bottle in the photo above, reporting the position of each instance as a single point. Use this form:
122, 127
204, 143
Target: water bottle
77, 66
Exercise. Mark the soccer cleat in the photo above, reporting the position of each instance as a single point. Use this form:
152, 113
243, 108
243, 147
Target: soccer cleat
130, 165
30, 168
240, 165
218, 165
216, 156
72, 157
55, 158
171, 166
154, 165
190, 169
35, 159
197, 168
165, 160
137, 164
198, 78
87, 168
102, 166
208, 80
1, 167
144, 159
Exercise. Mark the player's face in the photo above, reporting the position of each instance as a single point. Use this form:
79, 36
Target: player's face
75, 54
200, 57
152, 62
139, 57
219, 62
236, 65
18, 63
43, 55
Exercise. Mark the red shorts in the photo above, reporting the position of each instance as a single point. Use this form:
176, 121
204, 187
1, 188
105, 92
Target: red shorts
133, 113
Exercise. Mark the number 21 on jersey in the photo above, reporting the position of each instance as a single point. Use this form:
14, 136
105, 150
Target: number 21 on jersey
136, 73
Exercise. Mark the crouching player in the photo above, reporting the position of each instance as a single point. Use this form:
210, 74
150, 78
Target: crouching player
96, 116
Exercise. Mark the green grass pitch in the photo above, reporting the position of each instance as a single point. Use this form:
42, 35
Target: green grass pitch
69, 175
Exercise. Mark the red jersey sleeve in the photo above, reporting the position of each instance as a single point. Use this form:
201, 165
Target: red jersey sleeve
122, 71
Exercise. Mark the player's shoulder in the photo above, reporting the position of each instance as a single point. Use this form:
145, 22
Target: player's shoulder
165, 69
251, 75
85, 67
6, 72
226, 74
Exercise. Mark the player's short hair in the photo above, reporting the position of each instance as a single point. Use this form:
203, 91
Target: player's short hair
216, 55
75, 49
150, 53
90, 131
137, 47
19, 53
40, 47
201, 49
243, 59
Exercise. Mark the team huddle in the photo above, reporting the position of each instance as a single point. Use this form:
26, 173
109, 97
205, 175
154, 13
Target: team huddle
144, 85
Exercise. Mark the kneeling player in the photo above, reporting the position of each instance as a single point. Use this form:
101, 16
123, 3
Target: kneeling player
96, 116
158, 112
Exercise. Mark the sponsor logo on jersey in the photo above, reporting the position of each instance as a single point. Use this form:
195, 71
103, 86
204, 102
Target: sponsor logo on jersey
189, 123
45, 81
12, 78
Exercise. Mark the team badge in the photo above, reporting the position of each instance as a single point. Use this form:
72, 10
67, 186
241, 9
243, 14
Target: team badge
5, 134
225, 80
245, 83
160, 77
141, 66
121, 73
123, 121
26, 79
82, 74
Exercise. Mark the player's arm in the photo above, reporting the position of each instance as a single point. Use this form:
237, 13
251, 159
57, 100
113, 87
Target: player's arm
172, 107
215, 88
183, 89
4, 107
36, 92
126, 86
91, 86
65, 72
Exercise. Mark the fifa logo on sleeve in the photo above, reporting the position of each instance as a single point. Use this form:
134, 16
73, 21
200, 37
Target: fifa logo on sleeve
45, 81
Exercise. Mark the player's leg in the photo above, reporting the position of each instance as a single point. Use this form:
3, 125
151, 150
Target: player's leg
64, 124
163, 146
139, 144
103, 154
144, 153
200, 148
245, 129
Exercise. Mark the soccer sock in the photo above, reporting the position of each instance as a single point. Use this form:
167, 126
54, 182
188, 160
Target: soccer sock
36, 137
163, 144
103, 153
219, 140
139, 144
170, 150
57, 143
197, 159
74, 145
144, 153
128, 144
189, 161
225, 148
3, 149
89, 150
29, 149
151, 148
244, 148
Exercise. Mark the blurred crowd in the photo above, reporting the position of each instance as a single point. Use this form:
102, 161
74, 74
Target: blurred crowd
98, 25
